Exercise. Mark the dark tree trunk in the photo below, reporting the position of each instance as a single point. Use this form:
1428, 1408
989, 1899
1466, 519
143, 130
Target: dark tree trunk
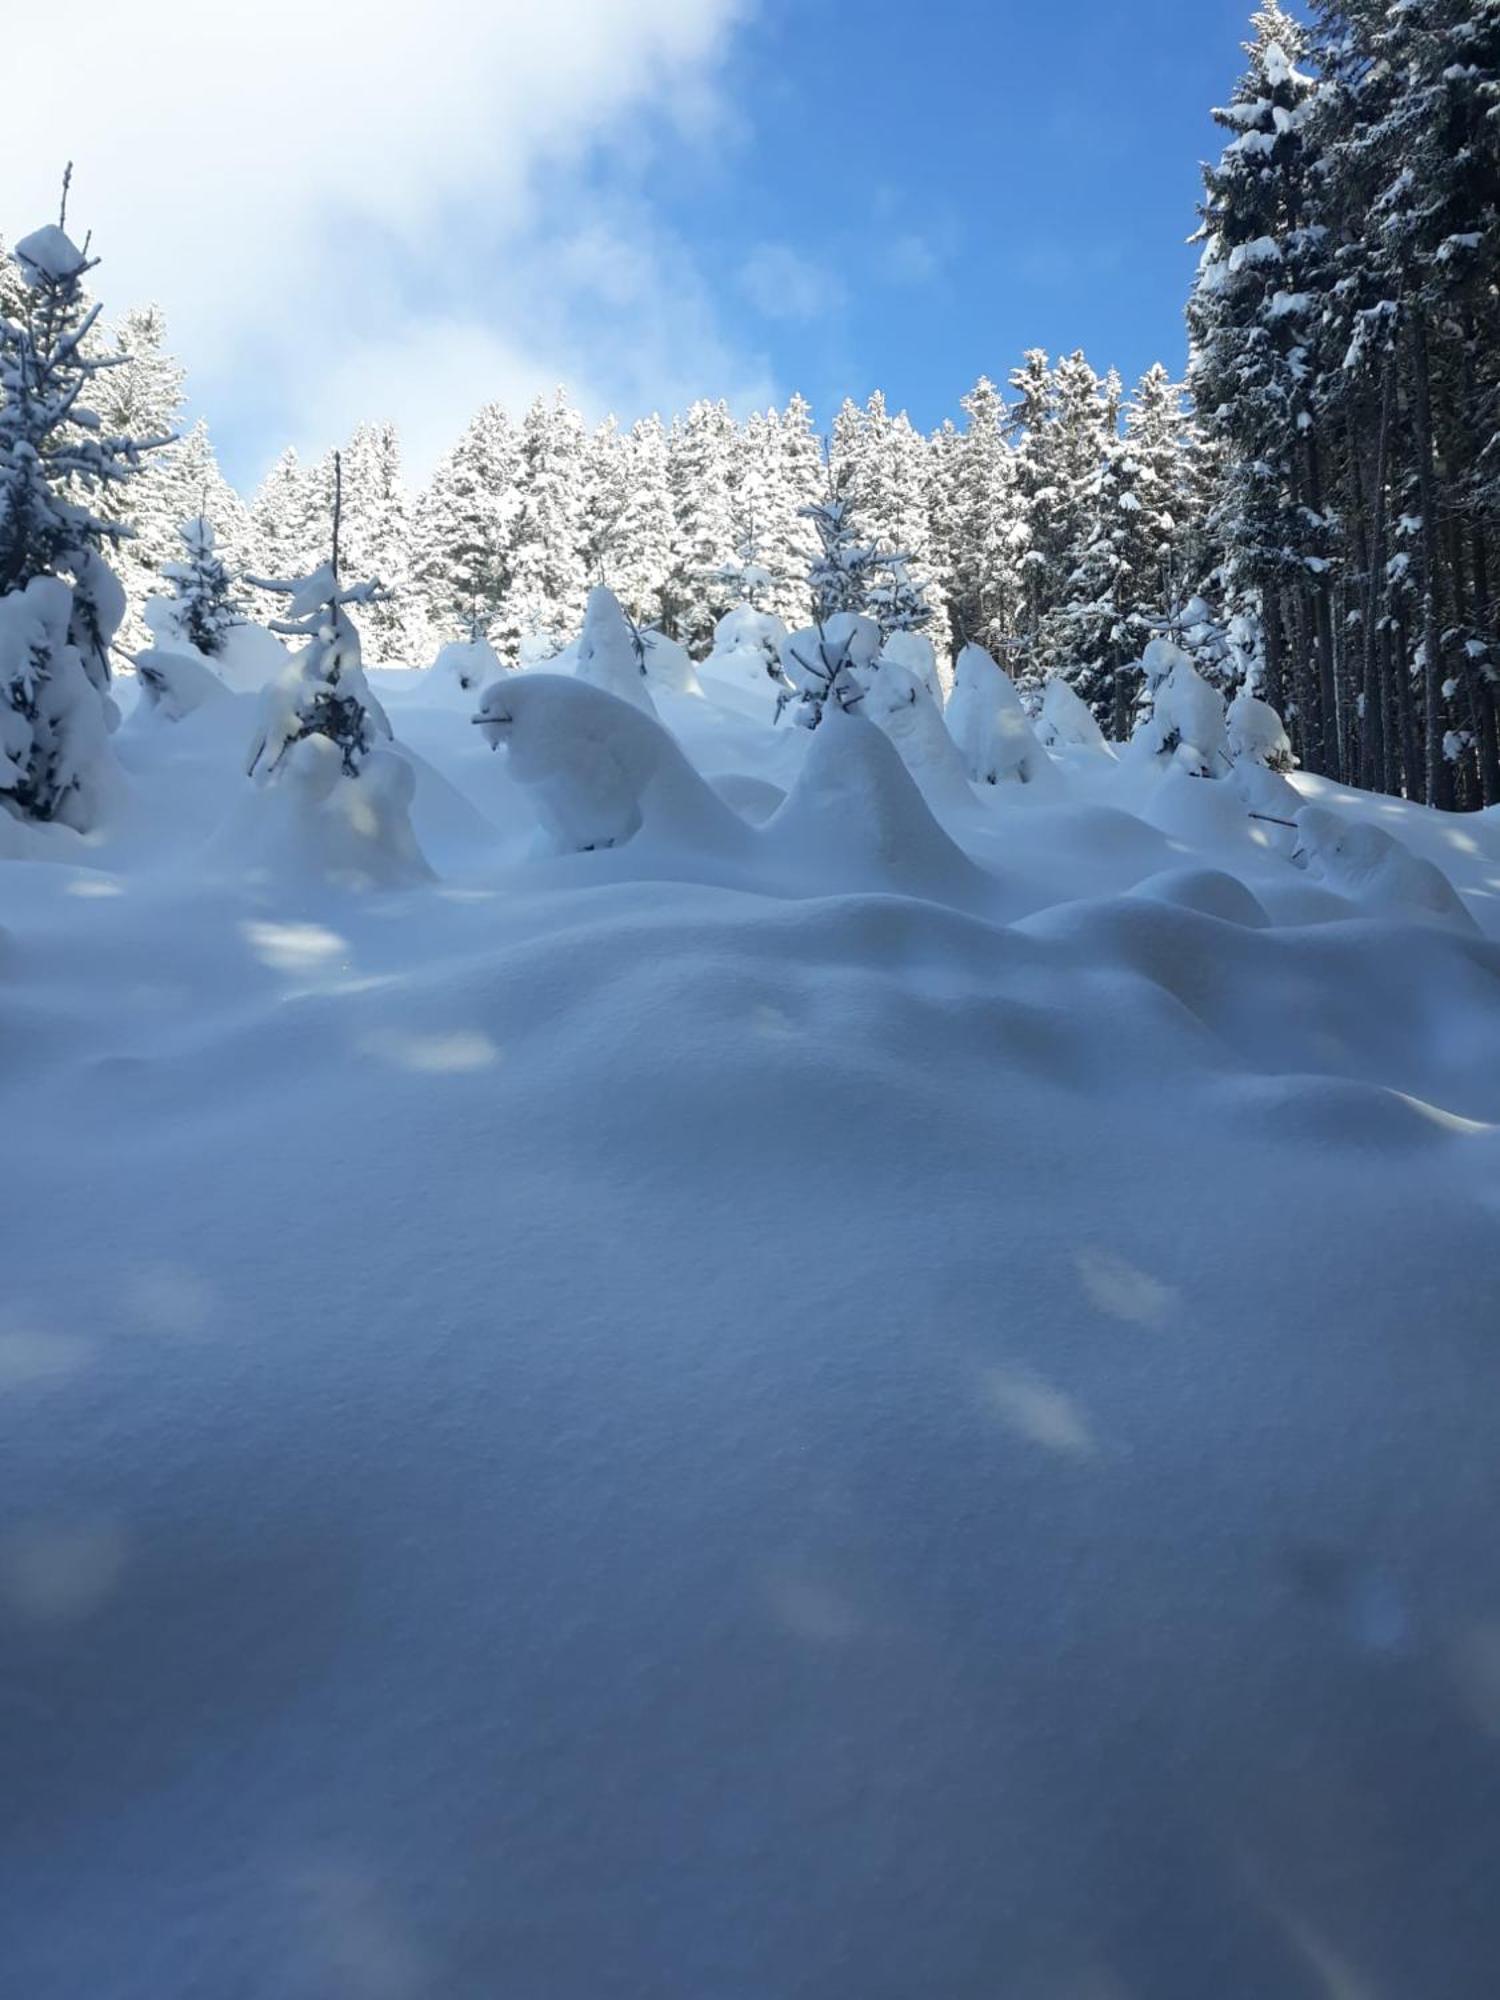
1438, 772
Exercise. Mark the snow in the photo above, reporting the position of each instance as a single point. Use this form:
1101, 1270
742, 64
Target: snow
607, 656
837, 1400
1187, 721
175, 681
1255, 734
990, 726
49, 254
1067, 722
467, 665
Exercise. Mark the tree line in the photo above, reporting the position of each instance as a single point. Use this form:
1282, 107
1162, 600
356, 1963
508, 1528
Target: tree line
1311, 515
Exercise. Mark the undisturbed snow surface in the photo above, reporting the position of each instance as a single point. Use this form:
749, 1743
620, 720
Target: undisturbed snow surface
719, 1419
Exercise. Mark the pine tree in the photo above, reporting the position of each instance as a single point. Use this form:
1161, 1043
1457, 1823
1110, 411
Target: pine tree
701, 463
847, 567
376, 540
787, 543
462, 527
286, 518
203, 608
328, 696
1071, 458
979, 534
605, 473
1253, 318
60, 604
1132, 581
546, 584
641, 558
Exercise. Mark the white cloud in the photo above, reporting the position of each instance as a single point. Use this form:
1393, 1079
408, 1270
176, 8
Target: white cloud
341, 197
783, 284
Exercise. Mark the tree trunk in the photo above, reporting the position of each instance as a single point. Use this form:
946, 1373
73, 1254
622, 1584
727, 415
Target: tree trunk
1322, 597
1406, 708
1439, 775
1274, 689
1373, 762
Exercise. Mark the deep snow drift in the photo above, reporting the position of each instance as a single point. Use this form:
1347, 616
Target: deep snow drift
839, 1397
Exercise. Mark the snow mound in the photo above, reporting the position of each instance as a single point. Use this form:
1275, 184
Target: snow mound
598, 769
1186, 723
669, 667
902, 705
744, 666
251, 658
317, 823
1255, 734
173, 684
856, 818
993, 732
467, 665
914, 653
1067, 722
607, 656
1209, 891
1371, 866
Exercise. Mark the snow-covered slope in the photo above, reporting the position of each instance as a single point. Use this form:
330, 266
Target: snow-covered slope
855, 1409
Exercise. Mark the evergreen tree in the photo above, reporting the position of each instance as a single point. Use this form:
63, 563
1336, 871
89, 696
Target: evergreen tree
60, 604
1071, 457
846, 567
461, 533
203, 608
546, 583
142, 396
605, 472
376, 540
328, 695
787, 542
701, 463
286, 521
641, 559
1254, 318
981, 537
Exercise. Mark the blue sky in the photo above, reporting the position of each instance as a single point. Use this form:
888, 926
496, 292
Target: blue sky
1006, 176
357, 209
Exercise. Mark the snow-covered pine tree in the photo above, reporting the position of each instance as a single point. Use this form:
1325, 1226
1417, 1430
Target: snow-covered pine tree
701, 454
203, 608
896, 599
979, 532
642, 554
1069, 458
546, 584
462, 525
376, 540
324, 692
1132, 580
787, 542
143, 397
603, 501
60, 604
13, 291
756, 502
895, 504
846, 567
287, 522
1254, 318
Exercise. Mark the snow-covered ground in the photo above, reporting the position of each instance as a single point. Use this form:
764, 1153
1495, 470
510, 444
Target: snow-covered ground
831, 1401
